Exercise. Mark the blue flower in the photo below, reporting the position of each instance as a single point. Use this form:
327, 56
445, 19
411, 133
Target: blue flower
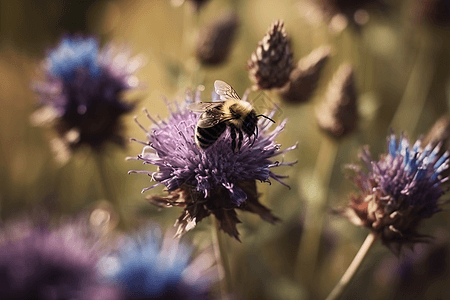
154, 268
213, 180
73, 54
398, 191
81, 91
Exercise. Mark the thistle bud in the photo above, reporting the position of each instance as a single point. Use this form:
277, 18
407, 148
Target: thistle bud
198, 4
338, 113
215, 40
272, 62
433, 12
303, 79
440, 132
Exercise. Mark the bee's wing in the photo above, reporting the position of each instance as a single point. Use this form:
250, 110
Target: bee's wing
225, 91
203, 106
210, 118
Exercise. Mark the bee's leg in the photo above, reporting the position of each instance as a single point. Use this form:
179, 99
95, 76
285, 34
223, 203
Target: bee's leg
241, 137
255, 135
233, 137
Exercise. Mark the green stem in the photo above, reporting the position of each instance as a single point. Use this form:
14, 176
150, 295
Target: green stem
354, 266
314, 217
108, 187
222, 258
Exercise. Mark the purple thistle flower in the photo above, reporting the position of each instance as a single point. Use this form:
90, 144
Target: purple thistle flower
81, 91
398, 191
214, 180
43, 263
154, 268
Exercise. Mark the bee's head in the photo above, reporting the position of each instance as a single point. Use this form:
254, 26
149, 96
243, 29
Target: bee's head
250, 125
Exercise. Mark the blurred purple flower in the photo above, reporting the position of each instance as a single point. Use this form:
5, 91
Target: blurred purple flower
398, 191
155, 268
81, 91
215, 180
422, 274
43, 263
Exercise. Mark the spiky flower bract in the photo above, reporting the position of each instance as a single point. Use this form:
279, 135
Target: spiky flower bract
153, 268
39, 261
81, 91
398, 191
214, 180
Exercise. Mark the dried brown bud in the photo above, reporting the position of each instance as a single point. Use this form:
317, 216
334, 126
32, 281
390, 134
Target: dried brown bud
303, 79
218, 203
272, 62
348, 8
440, 132
198, 4
338, 113
215, 40
340, 13
434, 12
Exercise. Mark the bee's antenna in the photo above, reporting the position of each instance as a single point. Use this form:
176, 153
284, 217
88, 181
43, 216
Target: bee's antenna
265, 117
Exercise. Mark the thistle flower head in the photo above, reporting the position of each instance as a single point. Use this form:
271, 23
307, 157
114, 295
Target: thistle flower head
39, 262
398, 191
272, 62
212, 180
81, 91
155, 268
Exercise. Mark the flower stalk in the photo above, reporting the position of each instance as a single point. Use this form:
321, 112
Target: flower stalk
107, 185
314, 216
353, 268
220, 252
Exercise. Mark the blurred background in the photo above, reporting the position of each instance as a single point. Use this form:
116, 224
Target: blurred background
399, 51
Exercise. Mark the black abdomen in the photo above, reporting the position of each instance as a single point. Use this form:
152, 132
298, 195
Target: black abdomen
205, 137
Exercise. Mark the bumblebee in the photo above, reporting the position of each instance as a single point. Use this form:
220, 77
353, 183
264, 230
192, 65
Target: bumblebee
230, 111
